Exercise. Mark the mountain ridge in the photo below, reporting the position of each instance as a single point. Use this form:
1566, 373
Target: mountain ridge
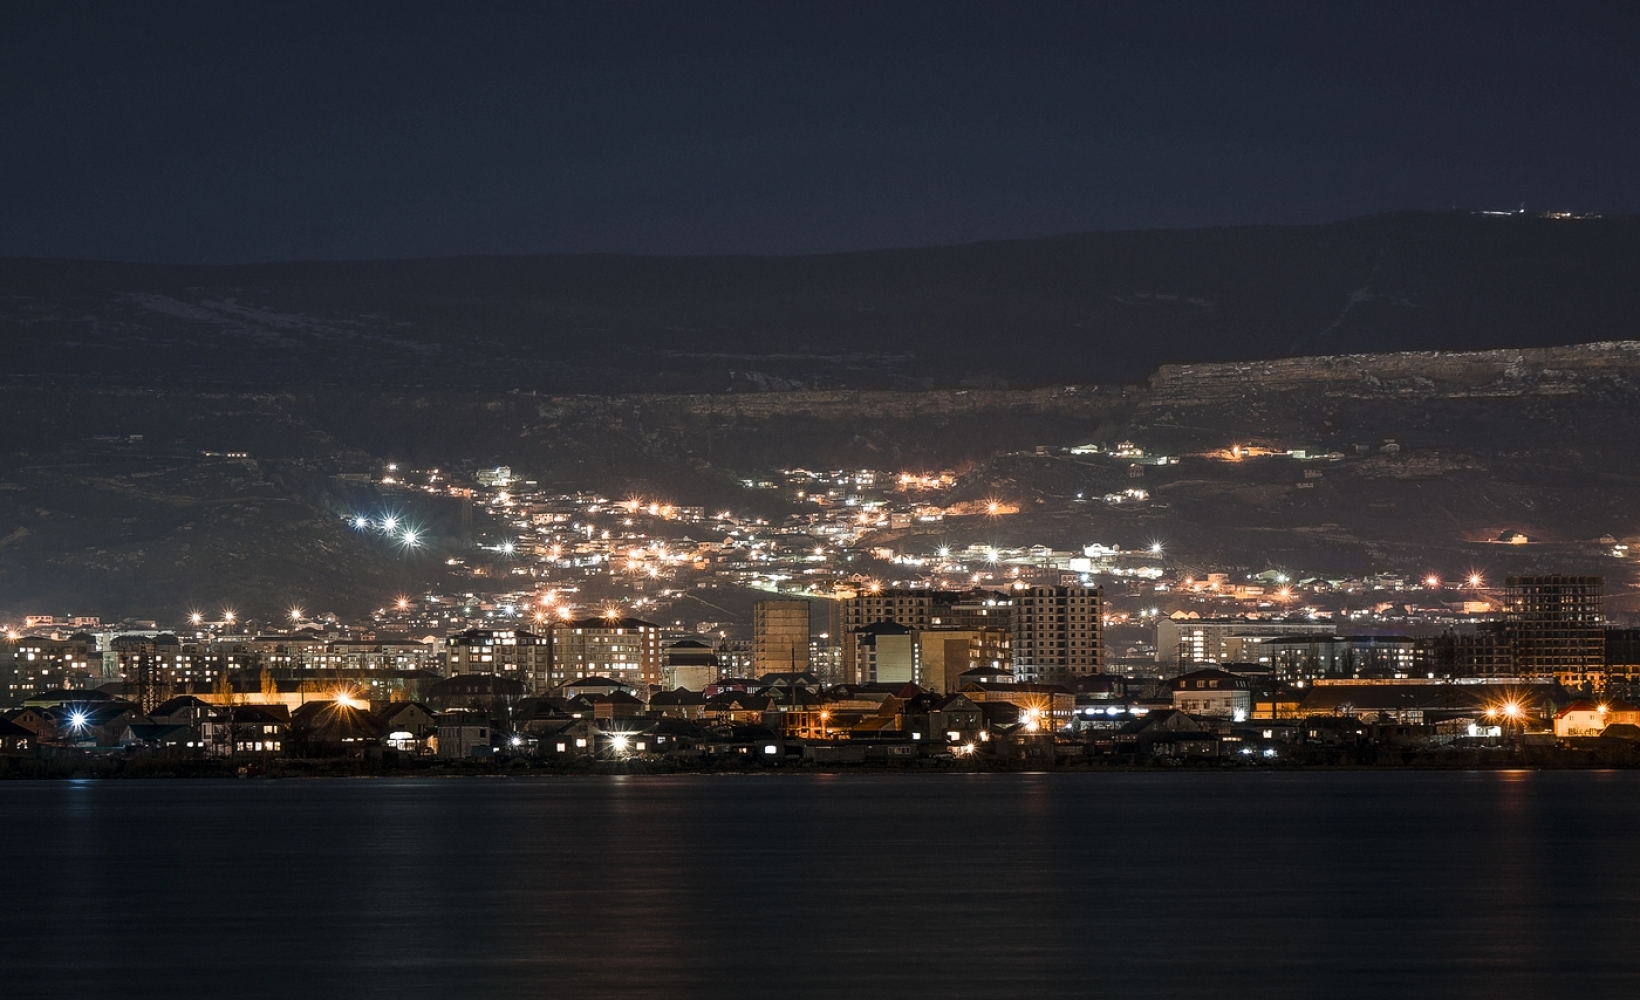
1087, 308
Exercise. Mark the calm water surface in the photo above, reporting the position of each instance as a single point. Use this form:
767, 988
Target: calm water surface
1353, 884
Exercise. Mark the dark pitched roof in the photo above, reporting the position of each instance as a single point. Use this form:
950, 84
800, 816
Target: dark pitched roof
682, 696
179, 703
476, 685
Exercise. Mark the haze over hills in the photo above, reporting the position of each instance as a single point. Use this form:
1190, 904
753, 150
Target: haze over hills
1095, 307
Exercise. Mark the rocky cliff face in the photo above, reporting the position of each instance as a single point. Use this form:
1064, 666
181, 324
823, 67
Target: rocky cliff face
1503, 374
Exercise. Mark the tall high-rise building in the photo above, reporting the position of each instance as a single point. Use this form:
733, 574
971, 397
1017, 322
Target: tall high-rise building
1058, 633
780, 636
1555, 627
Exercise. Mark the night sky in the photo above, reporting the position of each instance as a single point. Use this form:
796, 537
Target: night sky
223, 132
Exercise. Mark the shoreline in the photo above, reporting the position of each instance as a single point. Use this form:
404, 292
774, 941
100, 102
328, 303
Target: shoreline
61, 768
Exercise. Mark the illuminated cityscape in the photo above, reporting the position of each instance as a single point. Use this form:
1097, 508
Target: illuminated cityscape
918, 498
598, 632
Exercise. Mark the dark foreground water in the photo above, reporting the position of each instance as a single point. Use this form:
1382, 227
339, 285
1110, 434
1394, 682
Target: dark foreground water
1078, 885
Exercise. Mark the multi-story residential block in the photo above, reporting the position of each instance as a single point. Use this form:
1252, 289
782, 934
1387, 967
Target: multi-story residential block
780, 636
1213, 692
1192, 642
31, 664
1305, 657
511, 653
1556, 628
922, 611
972, 609
946, 654
623, 649
1057, 633
886, 652
912, 609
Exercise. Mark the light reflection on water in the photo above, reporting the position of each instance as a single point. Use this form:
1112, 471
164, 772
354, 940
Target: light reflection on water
1277, 884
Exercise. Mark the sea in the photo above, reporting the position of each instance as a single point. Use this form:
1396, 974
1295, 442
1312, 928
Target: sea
1317, 884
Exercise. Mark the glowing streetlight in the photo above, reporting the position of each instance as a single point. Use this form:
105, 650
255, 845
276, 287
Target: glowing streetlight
410, 538
361, 523
196, 618
1475, 580
295, 614
1432, 581
228, 616
390, 523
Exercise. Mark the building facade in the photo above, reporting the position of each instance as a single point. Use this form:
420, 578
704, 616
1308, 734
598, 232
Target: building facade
780, 636
1192, 642
1058, 633
1555, 626
513, 653
623, 649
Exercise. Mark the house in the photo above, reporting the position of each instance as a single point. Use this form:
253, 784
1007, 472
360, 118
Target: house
1583, 718
1042, 707
951, 719
163, 738
260, 729
569, 739
616, 705
744, 709
1213, 692
57, 697
984, 675
334, 728
208, 721
592, 687
751, 744
488, 692
465, 733
676, 735
408, 726
92, 724
38, 721
15, 739
1142, 734
679, 704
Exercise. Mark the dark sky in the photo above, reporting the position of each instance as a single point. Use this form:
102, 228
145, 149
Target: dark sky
218, 132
